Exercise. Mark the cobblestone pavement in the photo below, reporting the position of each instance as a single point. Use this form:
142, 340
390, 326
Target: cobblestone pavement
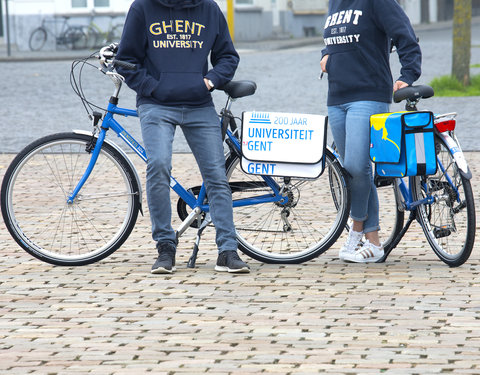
410, 315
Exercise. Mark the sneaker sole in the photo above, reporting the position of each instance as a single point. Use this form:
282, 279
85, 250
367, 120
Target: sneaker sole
343, 256
162, 270
366, 260
230, 270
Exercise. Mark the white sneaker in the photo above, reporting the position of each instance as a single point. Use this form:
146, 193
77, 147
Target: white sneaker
368, 253
352, 244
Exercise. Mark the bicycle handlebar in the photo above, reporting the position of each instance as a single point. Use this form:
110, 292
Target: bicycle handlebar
107, 57
124, 64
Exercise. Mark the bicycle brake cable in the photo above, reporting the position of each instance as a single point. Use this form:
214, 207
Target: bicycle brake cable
76, 83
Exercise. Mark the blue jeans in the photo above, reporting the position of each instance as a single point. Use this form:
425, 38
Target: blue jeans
350, 126
201, 127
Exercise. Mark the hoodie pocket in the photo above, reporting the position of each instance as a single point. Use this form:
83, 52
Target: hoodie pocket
180, 87
349, 70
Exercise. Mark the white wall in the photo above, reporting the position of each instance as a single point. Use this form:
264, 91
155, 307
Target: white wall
412, 8
24, 7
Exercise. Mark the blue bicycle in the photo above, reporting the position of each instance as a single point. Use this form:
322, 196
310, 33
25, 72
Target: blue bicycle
73, 198
442, 203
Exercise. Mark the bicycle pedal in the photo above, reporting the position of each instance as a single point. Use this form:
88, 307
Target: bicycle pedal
441, 232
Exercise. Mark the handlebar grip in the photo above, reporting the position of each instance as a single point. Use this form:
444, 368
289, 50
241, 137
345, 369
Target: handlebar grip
124, 64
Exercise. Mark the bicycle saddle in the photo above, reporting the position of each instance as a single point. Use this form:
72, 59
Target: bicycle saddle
413, 93
238, 89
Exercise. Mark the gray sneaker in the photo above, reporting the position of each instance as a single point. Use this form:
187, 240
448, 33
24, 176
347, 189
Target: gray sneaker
165, 262
229, 261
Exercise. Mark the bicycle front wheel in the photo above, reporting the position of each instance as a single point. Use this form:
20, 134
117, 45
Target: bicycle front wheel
295, 232
34, 200
449, 222
37, 40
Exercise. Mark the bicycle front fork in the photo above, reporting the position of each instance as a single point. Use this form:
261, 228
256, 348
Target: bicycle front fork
96, 151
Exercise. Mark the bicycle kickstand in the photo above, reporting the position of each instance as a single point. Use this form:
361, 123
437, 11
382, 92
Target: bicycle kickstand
203, 225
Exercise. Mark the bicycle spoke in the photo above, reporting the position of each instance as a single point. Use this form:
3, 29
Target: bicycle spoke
287, 230
93, 225
448, 222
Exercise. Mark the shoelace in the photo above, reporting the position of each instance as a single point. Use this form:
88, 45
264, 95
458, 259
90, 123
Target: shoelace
352, 240
166, 255
235, 256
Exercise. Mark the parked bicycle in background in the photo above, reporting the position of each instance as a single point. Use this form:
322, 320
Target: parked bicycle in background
69, 36
98, 36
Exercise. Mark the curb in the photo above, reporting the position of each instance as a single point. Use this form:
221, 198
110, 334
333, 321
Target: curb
264, 45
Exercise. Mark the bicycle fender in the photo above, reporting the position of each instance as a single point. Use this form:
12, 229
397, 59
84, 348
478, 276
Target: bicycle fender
337, 156
117, 148
457, 154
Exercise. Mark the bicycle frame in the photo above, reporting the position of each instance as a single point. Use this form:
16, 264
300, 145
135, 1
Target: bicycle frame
55, 32
407, 197
196, 203
409, 203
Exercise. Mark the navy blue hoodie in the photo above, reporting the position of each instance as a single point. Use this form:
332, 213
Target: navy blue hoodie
169, 41
357, 37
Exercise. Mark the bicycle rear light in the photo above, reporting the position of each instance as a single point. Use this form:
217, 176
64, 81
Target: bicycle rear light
446, 125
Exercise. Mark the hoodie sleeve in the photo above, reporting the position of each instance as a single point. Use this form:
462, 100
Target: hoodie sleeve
132, 49
391, 18
224, 57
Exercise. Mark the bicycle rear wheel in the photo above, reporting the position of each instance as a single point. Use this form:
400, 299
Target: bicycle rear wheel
449, 222
34, 200
295, 232
37, 40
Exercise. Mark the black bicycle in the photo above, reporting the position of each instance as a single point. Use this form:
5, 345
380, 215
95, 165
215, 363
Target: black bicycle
72, 37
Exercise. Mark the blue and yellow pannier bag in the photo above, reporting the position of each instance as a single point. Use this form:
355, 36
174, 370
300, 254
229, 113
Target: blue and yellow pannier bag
403, 144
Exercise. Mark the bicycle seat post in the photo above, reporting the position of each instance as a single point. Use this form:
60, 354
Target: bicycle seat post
411, 105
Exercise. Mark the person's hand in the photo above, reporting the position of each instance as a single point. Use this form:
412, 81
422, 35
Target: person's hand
399, 85
323, 63
207, 84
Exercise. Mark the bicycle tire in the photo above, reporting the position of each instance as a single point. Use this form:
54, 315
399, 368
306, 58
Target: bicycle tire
449, 225
315, 220
38, 38
391, 218
34, 200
